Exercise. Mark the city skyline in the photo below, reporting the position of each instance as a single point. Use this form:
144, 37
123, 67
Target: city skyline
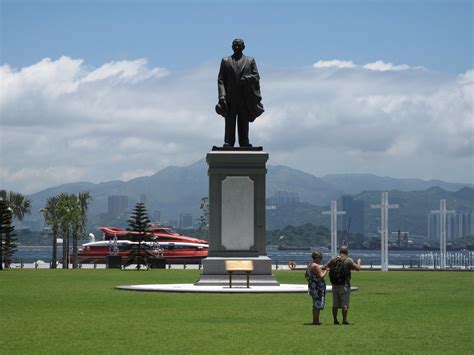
101, 91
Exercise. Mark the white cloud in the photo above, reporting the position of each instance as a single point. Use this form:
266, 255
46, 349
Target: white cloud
126, 70
32, 178
45, 78
467, 78
378, 65
334, 64
466, 83
62, 121
381, 66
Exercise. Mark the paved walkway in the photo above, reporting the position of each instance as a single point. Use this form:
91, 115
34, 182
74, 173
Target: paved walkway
283, 288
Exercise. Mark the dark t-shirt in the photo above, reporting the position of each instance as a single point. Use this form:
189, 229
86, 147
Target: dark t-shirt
348, 265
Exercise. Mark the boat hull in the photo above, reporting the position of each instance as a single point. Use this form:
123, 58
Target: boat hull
171, 252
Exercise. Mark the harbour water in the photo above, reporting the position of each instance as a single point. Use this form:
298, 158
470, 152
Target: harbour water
370, 258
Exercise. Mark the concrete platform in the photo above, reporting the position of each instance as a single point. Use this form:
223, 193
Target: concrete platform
191, 288
237, 280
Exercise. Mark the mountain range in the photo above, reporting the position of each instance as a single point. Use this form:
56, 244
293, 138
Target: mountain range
176, 190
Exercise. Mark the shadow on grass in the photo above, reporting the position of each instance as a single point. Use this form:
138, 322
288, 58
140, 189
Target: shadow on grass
330, 324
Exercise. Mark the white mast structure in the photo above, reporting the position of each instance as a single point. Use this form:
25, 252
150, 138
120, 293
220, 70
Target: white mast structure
442, 230
384, 207
334, 213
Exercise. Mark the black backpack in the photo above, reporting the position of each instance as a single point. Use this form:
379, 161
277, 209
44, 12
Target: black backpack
338, 273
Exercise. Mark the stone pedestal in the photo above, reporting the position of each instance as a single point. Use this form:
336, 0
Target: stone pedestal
237, 216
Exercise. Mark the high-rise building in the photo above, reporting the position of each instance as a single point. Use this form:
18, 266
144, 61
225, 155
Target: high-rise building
458, 225
157, 216
433, 226
143, 199
451, 227
467, 224
353, 220
185, 220
117, 204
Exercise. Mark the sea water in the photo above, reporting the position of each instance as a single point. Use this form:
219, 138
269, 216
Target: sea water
396, 258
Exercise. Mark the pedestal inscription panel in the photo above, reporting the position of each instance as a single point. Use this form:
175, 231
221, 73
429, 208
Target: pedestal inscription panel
237, 213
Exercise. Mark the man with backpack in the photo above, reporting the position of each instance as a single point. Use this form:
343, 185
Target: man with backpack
340, 268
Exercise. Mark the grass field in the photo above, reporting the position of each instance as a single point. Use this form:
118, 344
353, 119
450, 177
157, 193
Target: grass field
79, 311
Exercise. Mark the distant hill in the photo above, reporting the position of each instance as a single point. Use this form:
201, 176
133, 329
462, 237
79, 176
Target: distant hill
175, 190
357, 183
179, 189
310, 188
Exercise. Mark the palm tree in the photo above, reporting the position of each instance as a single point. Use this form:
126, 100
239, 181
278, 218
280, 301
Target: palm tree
51, 218
19, 203
139, 222
79, 221
67, 207
67, 213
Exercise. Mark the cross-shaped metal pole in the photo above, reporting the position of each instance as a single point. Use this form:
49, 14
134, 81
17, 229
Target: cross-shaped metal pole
334, 212
384, 206
442, 230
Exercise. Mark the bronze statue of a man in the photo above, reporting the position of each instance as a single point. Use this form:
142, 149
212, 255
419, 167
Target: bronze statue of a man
239, 94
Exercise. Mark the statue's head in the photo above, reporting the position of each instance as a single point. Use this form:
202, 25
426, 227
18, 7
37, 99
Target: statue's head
238, 45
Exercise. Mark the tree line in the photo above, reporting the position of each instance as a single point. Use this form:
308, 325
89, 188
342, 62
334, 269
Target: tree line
66, 214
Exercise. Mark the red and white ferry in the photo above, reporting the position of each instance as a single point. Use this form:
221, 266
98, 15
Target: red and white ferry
160, 242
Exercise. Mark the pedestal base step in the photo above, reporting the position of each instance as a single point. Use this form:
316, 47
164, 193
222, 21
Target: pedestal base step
238, 280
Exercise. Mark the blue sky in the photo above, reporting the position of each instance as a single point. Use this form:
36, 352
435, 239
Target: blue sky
178, 34
106, 90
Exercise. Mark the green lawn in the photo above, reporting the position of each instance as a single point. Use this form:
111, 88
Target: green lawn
79, 311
